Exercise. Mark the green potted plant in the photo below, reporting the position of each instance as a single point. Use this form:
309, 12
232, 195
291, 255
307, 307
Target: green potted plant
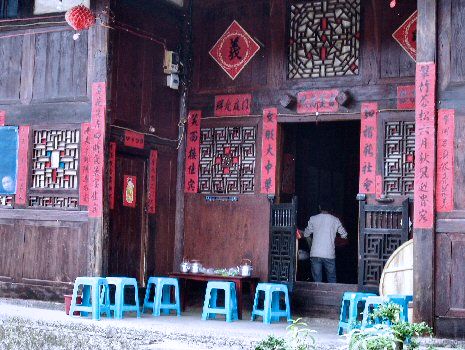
299, 337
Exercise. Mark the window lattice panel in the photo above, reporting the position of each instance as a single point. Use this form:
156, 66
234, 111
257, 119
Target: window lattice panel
6, 201
227, 160
55, 159
53, 202
324, 38
399, 156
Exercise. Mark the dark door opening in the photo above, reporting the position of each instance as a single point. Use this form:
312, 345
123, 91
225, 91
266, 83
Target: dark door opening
326, 167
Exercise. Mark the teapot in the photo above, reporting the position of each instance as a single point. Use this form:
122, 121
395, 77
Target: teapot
196, 266
185, 266
245, 269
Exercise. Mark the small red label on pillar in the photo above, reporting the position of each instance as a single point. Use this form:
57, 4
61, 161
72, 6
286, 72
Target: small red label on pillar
152, 204
368, 147
269, 130
129, 191
379, 186
133, 139
406, 97
84, 165
21, 181
317, 101
112, 175
445, 164
191, 183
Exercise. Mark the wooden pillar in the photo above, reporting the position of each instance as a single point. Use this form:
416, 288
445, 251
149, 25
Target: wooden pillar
424, 242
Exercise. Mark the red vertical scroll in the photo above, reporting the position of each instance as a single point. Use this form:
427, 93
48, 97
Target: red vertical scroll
84, 165
445, 164
270, 127
112, 175
96, 168
21, 180
152, 200
368, 147
425, 84
2, 118
191, 183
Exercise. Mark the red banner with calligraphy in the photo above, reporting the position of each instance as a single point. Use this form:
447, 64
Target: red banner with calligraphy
425, 84
191, 180
269, 130
129, 191
133, 139
445, 163
232, 105
406, 97
22, 178
317, 101
2, 118
97, 137
368, 147
84, 164
112, 175
152, 200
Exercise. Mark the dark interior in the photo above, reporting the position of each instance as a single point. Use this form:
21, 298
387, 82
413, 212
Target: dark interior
326, 167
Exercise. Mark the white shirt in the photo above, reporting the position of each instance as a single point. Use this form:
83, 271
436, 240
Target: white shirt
324, 228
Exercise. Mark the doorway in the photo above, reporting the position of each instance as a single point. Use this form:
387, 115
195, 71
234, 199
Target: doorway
321, 164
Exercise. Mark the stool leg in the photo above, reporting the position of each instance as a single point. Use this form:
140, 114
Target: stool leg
227, 304
147, 296
157, 299
165, 298
96, 302
107, 300
342, 318
177, 299
85, 298
267, 308
73, 300
119, 300
275, 305
288, 306
255, 304
206, 304
234, 303
136, 292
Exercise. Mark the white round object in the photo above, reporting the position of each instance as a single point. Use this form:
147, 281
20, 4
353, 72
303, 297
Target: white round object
397, 276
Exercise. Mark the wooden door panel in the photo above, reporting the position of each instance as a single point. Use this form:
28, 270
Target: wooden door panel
11, 241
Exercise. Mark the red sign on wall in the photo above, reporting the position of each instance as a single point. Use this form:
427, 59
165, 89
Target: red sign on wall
112, 175
445, 165
234, 49
270, 127
232, 105
152, 199
97, 137
317, 101
2, 118
84, 165
425, 84
133, 139
191, 183
129, 191
406, 97
21, 181
368, 147
406, 35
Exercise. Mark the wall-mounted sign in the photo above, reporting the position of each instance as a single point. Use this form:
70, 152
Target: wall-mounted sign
84, 164
406, 97
232, 105
9, 151
445, 166
317, 101
112, 175
191, 179
23, 169
129, 191
368, 147
269, 142
152, 199
234, 49
406, 35
133, 139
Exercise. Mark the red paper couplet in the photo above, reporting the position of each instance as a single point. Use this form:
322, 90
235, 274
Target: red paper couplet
129, 191
232, 105
85, 164
270, 127
97, 137
425, 84
379, 186
317, 101
406, 97
191, 183
152, 200
2, 118
112, 175
445, 165
21, 181
133, 139
368, 147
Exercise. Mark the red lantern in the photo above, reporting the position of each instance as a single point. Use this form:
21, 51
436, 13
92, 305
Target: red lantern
80, 18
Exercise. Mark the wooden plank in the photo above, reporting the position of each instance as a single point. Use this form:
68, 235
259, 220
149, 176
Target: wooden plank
10, 69
44, 215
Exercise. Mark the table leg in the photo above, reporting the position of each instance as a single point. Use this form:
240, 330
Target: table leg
239, 299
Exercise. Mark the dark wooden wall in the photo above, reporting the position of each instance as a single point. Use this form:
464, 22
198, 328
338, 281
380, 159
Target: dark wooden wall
383, 66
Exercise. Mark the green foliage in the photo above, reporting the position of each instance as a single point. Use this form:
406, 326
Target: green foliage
272, 343
378, 337
387, 312
406, 332
299, 337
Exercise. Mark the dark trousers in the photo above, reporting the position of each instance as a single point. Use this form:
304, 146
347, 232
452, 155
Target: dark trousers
317, 269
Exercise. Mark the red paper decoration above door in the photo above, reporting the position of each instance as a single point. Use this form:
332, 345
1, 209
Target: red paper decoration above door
406, 35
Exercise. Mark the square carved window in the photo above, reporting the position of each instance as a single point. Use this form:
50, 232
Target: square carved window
227, 160
324, 38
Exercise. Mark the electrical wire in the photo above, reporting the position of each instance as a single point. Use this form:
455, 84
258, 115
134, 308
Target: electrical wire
147, 134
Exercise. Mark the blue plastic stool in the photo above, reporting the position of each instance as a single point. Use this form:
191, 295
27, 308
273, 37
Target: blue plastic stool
349, 310
162, 297
119, 306
374, 303
210, 309
91, 301
403, 301
271, 309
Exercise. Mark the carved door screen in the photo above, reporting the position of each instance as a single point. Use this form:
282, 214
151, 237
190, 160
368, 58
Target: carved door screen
383, 228
282, 243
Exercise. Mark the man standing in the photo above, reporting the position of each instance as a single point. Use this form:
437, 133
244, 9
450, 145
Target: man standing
324, 228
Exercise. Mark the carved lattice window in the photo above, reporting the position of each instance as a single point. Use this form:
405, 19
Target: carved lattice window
227, 160
6, 201
399, 157
324, 38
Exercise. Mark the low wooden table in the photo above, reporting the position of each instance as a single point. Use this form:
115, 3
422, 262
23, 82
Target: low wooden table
238, 281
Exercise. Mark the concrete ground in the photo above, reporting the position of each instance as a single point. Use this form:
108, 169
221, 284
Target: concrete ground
30, 325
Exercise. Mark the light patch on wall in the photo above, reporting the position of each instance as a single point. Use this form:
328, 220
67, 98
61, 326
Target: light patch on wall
50, 6
177, 2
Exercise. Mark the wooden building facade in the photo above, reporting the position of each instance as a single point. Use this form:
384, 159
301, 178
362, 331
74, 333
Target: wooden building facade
199, 173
